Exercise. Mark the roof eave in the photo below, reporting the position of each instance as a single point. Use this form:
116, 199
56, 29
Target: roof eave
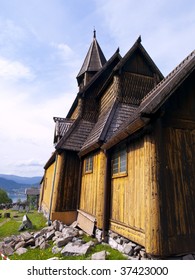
136, 124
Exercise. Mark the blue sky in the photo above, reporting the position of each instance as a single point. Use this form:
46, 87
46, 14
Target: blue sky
42, 47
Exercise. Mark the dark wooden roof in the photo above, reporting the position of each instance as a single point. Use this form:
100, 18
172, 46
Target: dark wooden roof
94, 59
94, 139
156, 97
50, 160
76, 137
122, 113
138, 47
153, 101
61, 127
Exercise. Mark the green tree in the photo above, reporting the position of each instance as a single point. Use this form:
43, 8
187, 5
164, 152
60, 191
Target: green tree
4, 198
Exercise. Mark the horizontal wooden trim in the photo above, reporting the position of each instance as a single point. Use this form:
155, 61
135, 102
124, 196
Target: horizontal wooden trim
119, 175
180, 123
127, 226
132, 233
88, 172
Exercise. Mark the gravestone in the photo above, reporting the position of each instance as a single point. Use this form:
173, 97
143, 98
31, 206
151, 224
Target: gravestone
26, 223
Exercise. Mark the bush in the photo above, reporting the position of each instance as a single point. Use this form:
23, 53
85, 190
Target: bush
4, 197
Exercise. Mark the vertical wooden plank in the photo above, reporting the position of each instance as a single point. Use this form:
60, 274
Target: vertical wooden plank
152, 220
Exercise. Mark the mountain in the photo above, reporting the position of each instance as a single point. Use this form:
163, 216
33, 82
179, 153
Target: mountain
15, 186
22, 180
9, 184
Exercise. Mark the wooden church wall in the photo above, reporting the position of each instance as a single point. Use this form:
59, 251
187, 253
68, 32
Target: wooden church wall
178, 169
47, 188
134, 199
92, 188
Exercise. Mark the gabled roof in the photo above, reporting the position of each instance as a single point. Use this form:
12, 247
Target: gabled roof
153, 101
94, 59
138, 46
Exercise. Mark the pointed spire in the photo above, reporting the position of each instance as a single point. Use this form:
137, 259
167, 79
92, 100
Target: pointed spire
93, 62
94, 33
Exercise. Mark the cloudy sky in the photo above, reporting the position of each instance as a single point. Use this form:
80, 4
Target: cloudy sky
42, 47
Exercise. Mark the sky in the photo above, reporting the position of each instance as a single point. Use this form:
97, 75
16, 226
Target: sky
43, 44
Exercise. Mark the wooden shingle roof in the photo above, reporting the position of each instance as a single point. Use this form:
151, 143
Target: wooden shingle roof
156, 97
78, 132
153, 101
76, 136
94, 59
61, 127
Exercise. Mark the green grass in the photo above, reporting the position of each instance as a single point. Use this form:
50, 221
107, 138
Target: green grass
11, 225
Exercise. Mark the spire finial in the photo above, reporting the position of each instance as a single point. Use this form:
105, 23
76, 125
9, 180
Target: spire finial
94, 33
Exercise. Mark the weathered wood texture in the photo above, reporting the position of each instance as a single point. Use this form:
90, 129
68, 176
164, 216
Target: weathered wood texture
92, 188
47, 188
134, 201
67, 182
178, 168
138, 64
135, 87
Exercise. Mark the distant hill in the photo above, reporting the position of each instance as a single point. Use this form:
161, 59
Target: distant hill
15, 186
22, 180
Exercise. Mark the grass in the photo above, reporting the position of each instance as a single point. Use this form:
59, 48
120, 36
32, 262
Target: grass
11, 225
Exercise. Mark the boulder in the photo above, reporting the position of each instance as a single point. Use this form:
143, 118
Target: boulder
99, 256
30, 242
21, 251
72, 249
70, 231
112, 243
128, 249
19, 244
26, 236
8, 250
50, 235
188, 257
44, 245
56, 225
56, 250
60, 242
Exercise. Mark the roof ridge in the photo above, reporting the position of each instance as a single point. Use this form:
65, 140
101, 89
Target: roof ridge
171, 74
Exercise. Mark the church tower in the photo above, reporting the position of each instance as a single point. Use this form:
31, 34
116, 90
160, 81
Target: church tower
93, 62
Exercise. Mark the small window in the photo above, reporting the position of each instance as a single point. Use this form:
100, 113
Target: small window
119, 162
89, 164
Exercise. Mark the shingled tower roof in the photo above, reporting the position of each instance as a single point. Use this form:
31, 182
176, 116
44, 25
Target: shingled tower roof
93, 62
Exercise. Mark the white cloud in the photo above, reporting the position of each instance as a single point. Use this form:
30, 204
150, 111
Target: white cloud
14, 70
166, 27
30, 162
63, 50
27, 129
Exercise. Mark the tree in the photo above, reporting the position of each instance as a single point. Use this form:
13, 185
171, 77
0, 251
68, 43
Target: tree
4, 198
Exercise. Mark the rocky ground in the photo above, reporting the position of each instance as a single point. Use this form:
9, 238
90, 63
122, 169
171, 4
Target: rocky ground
67, 240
